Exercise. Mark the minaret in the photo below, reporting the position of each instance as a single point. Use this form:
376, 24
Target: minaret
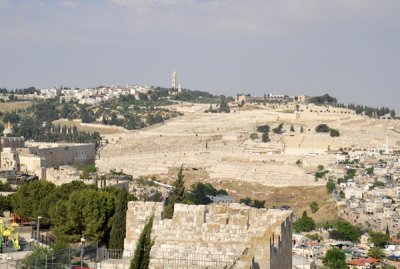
174, 81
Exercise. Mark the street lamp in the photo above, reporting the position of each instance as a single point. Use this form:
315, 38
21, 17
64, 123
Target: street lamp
38, 228
82, 249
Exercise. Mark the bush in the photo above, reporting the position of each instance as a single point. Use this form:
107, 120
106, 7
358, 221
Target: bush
320, 174
254, 136
330, 186
265, 138
314, 207
341, 194
334, 133
278, 130
379, 239
322, 128
335, 258
345, 231
263, 128
304, 224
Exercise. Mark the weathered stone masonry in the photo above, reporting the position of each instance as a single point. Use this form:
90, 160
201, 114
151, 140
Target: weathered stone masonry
213, 236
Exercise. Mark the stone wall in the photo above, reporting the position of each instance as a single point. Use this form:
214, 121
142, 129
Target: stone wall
64, 154
213, 236
12, 142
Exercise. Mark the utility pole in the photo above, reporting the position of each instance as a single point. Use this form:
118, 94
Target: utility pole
38, 229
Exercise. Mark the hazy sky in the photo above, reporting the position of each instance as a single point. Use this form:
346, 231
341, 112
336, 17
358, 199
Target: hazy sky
348, 48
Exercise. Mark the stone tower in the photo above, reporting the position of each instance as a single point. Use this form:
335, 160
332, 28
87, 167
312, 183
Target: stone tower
174, 81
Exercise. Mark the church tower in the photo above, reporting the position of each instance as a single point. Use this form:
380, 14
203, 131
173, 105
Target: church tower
174, 81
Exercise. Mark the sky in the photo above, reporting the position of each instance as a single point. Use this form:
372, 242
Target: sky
347, 48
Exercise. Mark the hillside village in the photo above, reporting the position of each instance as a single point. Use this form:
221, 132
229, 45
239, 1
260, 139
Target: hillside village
234, 155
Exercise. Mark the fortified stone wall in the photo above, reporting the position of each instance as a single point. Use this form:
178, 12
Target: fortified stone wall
12, 142
56, 155
213, 236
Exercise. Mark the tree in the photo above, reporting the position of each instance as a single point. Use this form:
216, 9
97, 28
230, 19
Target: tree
198, 195
254, 136
334, 133
37, 257
292, 128
345, 231
314, 207
301, 129
376, 252
118, 230
141, 258
178, 195
335, 259
379, 239
330, 186
263, 128
223, 106
248, 201
341, 194
199, 191
30, 200
87, 212
265, 138
278, 130
322, 128
304, 224
259, 203
369, 170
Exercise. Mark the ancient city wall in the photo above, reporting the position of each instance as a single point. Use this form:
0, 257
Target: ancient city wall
215, 235
12, 142
56, 155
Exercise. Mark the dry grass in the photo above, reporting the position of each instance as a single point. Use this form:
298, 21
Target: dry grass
298, 198
8, 107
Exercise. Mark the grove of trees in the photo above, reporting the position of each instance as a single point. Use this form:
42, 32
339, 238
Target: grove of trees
72, 210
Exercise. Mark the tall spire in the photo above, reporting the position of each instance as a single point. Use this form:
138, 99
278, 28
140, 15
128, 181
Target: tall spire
174, 80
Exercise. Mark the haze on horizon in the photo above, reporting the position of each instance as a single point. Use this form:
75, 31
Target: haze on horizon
347, 48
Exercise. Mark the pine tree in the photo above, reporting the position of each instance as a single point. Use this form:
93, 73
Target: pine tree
387, 230
178, 195
292, 128
118, 230
141, 259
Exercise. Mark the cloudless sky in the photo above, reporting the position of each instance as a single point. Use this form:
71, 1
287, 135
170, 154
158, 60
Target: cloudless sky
348, 48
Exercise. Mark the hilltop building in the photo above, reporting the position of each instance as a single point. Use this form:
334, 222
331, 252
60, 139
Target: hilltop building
8, 129
272, 98
175, 85
34, 158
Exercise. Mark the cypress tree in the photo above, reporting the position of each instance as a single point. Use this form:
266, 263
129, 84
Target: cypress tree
118, 230
179, 187
178, 195
141, 259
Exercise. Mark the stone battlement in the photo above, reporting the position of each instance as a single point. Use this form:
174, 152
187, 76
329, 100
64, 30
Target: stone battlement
214, 235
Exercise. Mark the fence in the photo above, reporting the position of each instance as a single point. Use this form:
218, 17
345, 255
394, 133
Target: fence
60, 259
114, 254
44, 239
